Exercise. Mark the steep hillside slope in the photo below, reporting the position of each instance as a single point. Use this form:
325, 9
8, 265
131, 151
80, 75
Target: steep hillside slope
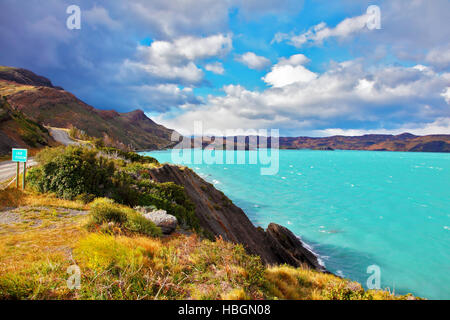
38, 99
221, 218
23, 76
16, 130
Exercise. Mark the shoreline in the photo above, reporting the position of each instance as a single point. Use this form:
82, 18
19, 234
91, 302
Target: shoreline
238, 185
306, 245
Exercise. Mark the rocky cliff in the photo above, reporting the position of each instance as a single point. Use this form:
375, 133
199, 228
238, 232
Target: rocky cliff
221, 218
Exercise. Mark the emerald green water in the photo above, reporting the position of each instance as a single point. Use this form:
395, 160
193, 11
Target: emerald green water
355, 209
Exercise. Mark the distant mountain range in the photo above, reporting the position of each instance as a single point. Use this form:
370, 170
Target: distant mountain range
372, 142
29, 102
382, 142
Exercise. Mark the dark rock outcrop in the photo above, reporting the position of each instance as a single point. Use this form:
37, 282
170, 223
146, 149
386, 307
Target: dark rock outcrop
290, 248
219, 217
23, 76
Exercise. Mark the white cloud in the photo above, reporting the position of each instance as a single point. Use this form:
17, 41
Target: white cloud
446, 95
289, 71
253, 61
346, 92
318, 33
188, 48
175, 60
294, 60
439, 126
215, 67
439, 57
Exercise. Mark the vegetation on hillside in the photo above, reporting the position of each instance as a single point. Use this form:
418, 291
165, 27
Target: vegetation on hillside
76, 172
77, 134
18, 130
108, 217
120, 254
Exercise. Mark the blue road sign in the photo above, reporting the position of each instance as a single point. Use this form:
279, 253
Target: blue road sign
19, 155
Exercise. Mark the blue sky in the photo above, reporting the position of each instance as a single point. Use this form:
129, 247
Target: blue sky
303, 67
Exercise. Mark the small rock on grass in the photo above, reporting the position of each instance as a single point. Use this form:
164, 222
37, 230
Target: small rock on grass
166, 222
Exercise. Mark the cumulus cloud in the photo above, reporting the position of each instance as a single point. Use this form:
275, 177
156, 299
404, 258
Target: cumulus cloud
251, 60
215, 67
174, 61
289, 71
346, 92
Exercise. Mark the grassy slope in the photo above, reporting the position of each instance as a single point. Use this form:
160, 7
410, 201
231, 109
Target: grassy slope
34, 258
17, 130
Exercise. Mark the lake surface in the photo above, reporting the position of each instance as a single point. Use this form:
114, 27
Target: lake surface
355, 209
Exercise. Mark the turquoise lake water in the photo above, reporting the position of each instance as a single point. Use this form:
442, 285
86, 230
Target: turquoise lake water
355, 209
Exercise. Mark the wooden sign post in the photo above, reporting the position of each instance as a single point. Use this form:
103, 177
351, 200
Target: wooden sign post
20, 155
17, 175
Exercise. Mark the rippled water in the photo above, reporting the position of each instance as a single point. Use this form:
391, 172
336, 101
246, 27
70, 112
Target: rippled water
356, 209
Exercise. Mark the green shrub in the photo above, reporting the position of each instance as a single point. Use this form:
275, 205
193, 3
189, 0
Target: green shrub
139, 224
48, 154
171, 198
105, 210
81, 173
72, 171
130, 156
138, 169
85, 198
124, 189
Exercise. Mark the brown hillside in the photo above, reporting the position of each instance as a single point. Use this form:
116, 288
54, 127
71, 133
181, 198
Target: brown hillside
402, 142
18, 131
55, 107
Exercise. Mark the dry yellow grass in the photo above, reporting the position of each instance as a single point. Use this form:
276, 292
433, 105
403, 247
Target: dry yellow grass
12, 197
24, 246
34, 259
9, 88
303, 283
